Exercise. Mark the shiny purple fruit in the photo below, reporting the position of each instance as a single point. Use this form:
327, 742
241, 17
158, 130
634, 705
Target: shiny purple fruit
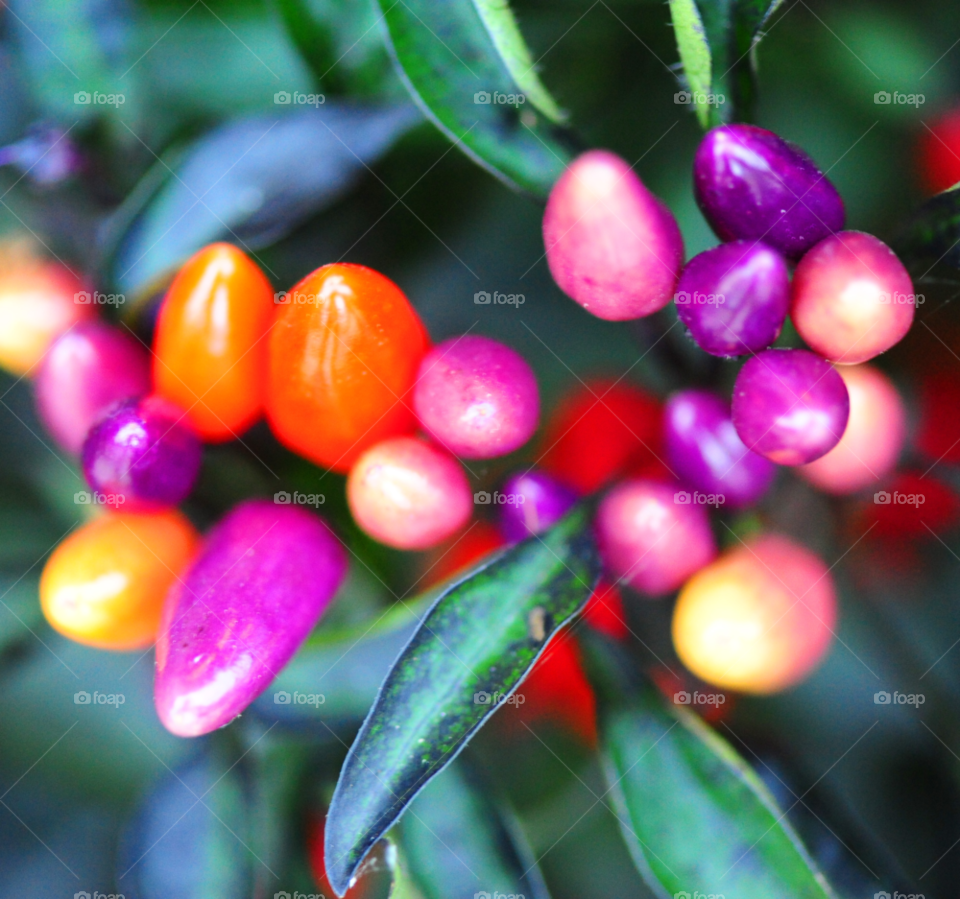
84, 372
790, 406
734, 298
535, 500
143, 454
751, 184
263, 578
703, 448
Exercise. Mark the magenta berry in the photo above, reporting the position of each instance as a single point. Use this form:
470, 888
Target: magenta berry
790, 406
84, 372
476, 397
706, 453
264, 577
535, 500
751, 184
652, 537
734, 298
611, 244
144, 454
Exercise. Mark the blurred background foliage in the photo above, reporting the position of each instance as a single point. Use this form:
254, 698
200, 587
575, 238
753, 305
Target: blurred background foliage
875, 794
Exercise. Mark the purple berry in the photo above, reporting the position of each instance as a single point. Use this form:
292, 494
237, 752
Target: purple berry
790, 406
535, 501
752, 185
734, 298
704, 450
144, 454
476, 397
263, 578
84, 372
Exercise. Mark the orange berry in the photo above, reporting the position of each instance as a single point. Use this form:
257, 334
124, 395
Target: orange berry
210, 344
105, 584
344, 355
758, 619
38, 302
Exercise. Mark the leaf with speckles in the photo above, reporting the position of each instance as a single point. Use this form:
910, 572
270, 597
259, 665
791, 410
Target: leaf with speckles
473, 647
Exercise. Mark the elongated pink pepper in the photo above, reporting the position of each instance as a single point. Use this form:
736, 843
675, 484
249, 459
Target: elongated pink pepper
611, 244
264, 577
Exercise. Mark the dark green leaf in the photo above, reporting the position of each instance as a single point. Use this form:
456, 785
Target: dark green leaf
455, 55
478, 641
694, 815
717, 41
932, 234
460, 842
252, 181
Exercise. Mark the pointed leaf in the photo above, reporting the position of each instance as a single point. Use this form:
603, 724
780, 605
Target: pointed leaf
456, 58
694, 815
479, 640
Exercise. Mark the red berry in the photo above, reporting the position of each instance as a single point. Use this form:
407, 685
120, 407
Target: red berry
938, 153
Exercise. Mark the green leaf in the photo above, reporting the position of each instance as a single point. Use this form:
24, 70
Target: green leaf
481, 637
452, 56
694, 815
459, 841
717, 42
932, 234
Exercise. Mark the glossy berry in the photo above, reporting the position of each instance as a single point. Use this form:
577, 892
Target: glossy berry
407, 494
938, 153
872, 441
105, 584
539, 501
706, 453
852, 298
611, 244
598, 432
344, 355
751, 184
39, 301
650, 539
264, 577
210, 345
143, 453
85, 371
759, 619
790, 406
734, 298
476, 397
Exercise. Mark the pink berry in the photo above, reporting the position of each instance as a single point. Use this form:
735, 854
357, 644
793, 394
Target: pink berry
852, 298
86, 371
407, 494
477, 397
650, 538
611, 244
875, 433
